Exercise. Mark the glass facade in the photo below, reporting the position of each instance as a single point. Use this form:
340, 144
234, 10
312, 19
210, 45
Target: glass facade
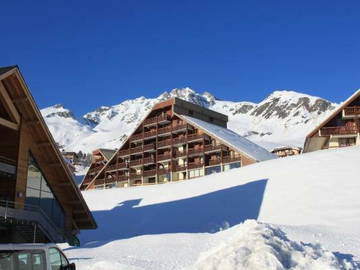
232, 166
39, 193
211, 170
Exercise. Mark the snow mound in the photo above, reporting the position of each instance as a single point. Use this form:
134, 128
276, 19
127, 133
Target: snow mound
253, 245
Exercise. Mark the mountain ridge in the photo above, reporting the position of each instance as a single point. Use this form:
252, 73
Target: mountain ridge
271, 122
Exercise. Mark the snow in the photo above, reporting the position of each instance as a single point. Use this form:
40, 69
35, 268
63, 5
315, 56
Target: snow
232, 138
196, 224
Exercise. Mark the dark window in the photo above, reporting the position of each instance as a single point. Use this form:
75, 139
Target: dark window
38, 193
211, 119
191, 112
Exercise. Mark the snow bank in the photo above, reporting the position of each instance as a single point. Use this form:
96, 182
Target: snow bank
256, 246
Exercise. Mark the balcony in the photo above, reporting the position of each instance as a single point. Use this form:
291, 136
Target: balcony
213, 148
30, 213
164, 130
149, 173
163, 157
164, 143
149, 160
150, 134
327, 131
136, 162
195, 137
229, 159
179, 127
163, 171
352, 111
135, 176
177, 168
213, 162
137, 149
136, 137
178, 153
149, 147
179, 140
150, 121
196, 151
123, 153
164, 118
194, 165
122, 178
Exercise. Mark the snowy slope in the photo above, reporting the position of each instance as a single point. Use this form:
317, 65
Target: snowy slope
285, 117
171, 226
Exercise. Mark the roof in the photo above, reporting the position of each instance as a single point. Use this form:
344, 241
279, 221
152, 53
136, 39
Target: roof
24, 102
27, 246
108, 153
338, 110
232, 139
6, 69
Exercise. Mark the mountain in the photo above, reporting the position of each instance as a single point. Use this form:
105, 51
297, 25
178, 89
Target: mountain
283, 118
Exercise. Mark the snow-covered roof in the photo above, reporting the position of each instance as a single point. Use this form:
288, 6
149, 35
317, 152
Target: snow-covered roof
232, 139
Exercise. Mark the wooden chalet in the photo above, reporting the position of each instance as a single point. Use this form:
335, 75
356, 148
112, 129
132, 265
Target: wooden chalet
340, 129
99, 159
39, 201
176, 141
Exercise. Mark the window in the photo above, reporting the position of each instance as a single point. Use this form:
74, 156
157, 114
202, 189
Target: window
22, 260
57, 259
38, 193
343, 142
191, 112
212, 170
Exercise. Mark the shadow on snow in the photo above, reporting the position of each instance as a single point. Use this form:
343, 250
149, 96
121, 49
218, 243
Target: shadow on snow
205, 213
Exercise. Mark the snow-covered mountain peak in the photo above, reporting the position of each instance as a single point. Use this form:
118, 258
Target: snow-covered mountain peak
57, 110
190, 95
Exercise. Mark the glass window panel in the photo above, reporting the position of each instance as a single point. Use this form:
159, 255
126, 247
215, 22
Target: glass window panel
32, 196
46, 202
24, 260
38, 261
54, 259
34, 177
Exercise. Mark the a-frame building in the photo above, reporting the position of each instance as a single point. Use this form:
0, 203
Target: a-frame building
39, 200
340, 129
177, 140
100, 157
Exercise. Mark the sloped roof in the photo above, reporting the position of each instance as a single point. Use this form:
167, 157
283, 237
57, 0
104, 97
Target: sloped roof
108, 153
25, 104
338, 110
6, 69
232, 139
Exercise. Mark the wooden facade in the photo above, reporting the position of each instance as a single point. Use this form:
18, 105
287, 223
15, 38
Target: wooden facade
165, 147
340, 129
286, 151
33, 170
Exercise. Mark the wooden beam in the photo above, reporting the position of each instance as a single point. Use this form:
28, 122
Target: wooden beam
20, 99
43, 143
62, 184
5, 98
8, 124
32, 122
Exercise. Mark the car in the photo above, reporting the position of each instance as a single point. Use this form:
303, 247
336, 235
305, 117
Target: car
33, 257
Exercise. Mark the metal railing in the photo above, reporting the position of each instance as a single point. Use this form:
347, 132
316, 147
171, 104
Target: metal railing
33, 213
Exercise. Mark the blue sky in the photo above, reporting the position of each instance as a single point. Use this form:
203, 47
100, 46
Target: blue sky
90, 53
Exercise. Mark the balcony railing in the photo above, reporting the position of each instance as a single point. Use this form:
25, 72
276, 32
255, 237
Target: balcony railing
164, 130
195, 137
194, 165
196, 151
28, 212
136, 149
149, 160
163, 118
163, 171
213, 162
149, 173
177, 168
135, 176
179, 140
136, 162
149, 133
179, 127
327, 131
150, 121
352, 111
164, 143
228, 159
122, 178
149, 147
163, 157
178, 153
125, 152
208, 148
136, 137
